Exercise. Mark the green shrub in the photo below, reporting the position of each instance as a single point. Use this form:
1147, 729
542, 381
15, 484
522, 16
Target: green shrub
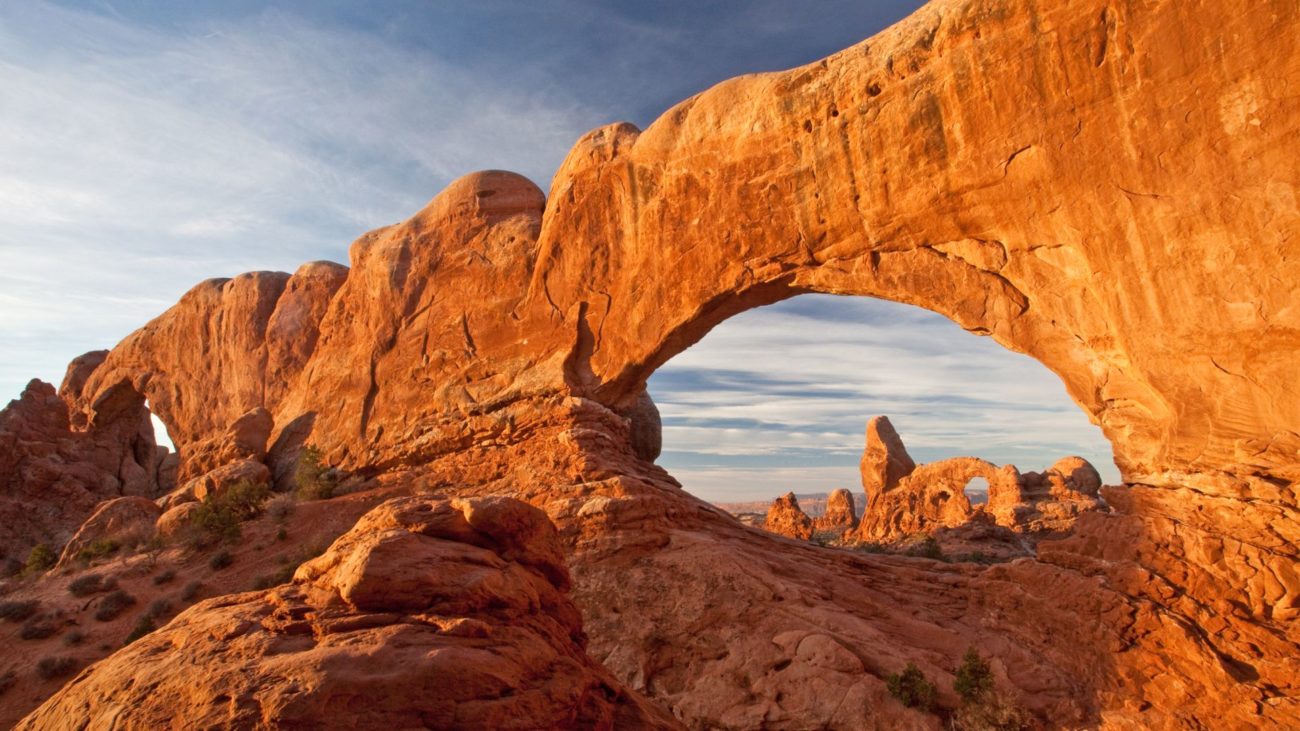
191, 590
91, 584
220, 560
165, 577
928, 548
39, 628
18, 610
992, 712
870, 547
112, 605
142, 628
313, 478
219, 515
912, 689
101, 548
280, 507
55, 667
41, 559
974, 678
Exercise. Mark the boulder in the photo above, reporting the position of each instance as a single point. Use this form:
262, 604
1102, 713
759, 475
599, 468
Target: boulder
428, 614
122, 523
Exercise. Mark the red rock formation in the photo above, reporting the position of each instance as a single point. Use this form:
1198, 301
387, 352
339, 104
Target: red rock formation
429, 613
1105, 187
785, 518
904, 499
841, 515
121, 523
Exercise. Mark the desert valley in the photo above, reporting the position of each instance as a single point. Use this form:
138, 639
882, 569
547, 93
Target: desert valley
421, 490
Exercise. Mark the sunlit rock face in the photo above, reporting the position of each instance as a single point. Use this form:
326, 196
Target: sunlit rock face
1108, 188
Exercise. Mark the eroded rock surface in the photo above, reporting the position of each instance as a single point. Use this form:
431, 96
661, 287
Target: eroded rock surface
429, 613
840, 516
786, 518
1108, 188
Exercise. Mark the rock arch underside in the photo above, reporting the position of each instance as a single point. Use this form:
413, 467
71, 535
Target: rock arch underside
1109, 187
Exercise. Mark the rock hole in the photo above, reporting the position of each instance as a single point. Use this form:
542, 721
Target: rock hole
977, 491
807, 125
873, 90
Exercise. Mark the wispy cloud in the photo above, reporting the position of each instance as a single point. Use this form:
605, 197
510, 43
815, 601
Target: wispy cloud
140, 160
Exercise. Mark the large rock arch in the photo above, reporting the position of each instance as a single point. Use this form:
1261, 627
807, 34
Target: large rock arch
1105, 186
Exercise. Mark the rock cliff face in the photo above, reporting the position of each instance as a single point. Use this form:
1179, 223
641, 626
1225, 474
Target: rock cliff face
1109, 188
840, 516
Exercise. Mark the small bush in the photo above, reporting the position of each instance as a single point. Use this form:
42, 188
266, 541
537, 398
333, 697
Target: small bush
159, 607
7, 681
91, 584
142, 628
928, 548
974, 678
912, 689
191, 590
165, 577
41, 559
101, 548
220, 560
73, 638
281, 534
55, 667
218, 516
280, 507
39, 628
17, 611
314, 479
113, 604
281, 576
871, 548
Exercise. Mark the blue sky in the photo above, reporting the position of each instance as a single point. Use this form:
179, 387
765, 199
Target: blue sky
149, 145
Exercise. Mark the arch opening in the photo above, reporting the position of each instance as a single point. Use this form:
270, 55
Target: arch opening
773, 401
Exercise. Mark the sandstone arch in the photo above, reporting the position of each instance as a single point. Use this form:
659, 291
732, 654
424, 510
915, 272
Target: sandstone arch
1074, 198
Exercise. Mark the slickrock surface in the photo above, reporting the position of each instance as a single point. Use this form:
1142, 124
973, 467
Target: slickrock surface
1109, 188
785, 518
428, 614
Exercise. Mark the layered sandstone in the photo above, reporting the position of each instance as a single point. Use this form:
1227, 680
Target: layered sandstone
1106, 188
840, 516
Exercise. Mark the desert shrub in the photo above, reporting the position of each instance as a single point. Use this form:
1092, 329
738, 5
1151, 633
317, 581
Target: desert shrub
870, 547
39, 628
55, 667
928, 548
165, 577
143, 627
825, 537
974, 677
18, 610
101, 548
75, 637
113, 604
280, 507
314, 479
7, 681
912, 689
91, 584
191, 590
220, 560
218, 516
159, 607
281, 534
281, 576
41, 559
